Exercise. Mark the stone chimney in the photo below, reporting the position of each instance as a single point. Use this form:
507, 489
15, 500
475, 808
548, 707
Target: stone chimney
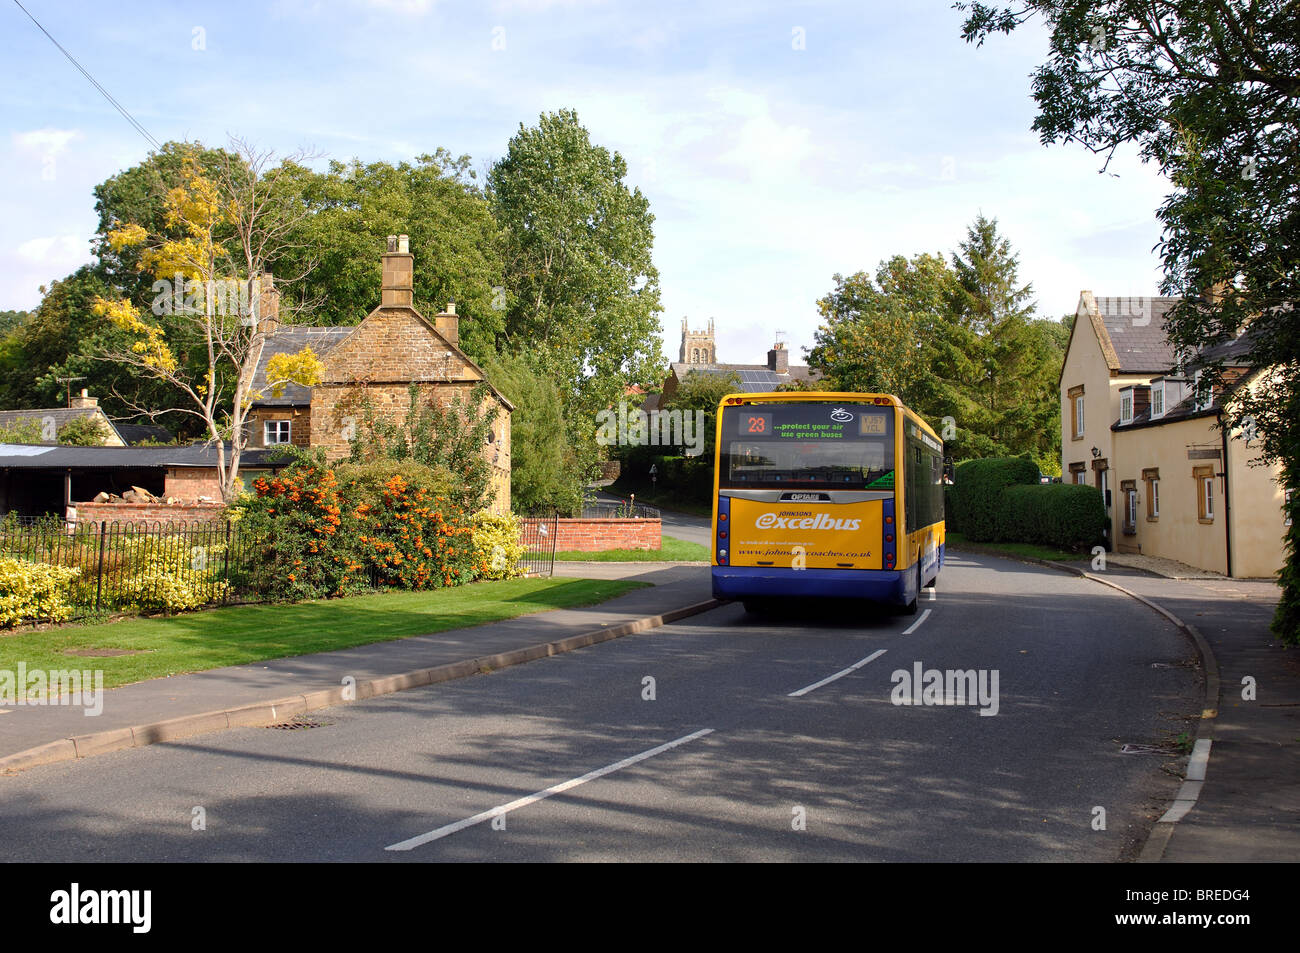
778, 359
398, 287
83, 400
268, 304
448, 324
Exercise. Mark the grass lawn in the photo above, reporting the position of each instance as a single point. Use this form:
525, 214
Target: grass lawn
232, 635
674, 550
1032, 550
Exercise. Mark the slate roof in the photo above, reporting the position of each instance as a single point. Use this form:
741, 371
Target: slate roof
1136, 327
291, 340
754, 378
61, 415
31, 456
1185, 409
139, 433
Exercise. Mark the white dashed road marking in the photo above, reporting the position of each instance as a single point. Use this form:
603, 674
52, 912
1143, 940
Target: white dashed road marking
826, 681
540, 795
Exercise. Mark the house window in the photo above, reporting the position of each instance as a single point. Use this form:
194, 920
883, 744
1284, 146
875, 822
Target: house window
1203, 401
1204, 477
1075, 395
1078, 473
274, 432
1158, 400
1152, 479
1128, 490
1126, 407
1286, 508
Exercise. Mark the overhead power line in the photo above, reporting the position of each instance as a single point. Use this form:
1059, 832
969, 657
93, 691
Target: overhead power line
84, 72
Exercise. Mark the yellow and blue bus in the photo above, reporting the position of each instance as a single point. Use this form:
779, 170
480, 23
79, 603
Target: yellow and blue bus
827, 495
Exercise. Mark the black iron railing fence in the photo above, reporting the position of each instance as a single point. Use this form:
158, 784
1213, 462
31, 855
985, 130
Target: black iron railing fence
538, 535
139, 565
622, 509
146, 566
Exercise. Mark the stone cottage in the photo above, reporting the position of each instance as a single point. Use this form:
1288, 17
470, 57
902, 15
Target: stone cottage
377, 359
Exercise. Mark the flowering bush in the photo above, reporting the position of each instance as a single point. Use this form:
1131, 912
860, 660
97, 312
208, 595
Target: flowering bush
170, 575
497, 549
328, 532
408, 529
33, 592
298, 518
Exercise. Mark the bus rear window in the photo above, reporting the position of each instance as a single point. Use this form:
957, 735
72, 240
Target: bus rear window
844, 446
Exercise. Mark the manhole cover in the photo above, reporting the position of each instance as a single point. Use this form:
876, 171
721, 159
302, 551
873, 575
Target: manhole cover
298, 722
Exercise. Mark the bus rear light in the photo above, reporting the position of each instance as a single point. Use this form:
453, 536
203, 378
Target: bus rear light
889, 558
722, 535
889, 537
889, 519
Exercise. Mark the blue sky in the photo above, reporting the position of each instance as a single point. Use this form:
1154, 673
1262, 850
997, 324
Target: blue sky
778, 143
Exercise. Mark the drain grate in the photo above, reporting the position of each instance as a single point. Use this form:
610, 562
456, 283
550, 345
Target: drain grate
1142, 749
298, 722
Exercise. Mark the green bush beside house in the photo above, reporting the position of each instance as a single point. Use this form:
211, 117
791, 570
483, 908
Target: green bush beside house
999, 499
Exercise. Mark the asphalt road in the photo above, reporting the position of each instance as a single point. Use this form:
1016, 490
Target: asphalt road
744, 753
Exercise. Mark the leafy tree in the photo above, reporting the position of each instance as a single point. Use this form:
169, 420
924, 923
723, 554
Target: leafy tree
703, 392
10, 321
544, 473
84, 432
435, 201
139, 196
953, 342
1016, 366
583, 290
239, 198
876, 331
1209, 90
36, 352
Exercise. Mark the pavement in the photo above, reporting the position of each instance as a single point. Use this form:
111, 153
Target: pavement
1248, 808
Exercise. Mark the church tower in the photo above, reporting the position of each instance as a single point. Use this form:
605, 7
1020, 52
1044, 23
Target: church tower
698, 346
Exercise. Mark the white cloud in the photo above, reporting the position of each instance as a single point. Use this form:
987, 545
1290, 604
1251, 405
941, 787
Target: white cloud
47, 141
53, 250
409, 7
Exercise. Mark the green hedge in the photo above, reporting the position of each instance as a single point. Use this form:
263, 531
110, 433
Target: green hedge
1055, 514
976, 495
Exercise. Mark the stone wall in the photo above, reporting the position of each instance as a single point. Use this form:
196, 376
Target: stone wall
143, 514
299, 425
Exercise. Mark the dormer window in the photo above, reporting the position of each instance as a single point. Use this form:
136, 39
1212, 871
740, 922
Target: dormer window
1203, 400
1126, 406
1157, 399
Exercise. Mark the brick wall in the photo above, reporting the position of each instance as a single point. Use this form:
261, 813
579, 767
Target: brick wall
148, 513
596, 535
190, 483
